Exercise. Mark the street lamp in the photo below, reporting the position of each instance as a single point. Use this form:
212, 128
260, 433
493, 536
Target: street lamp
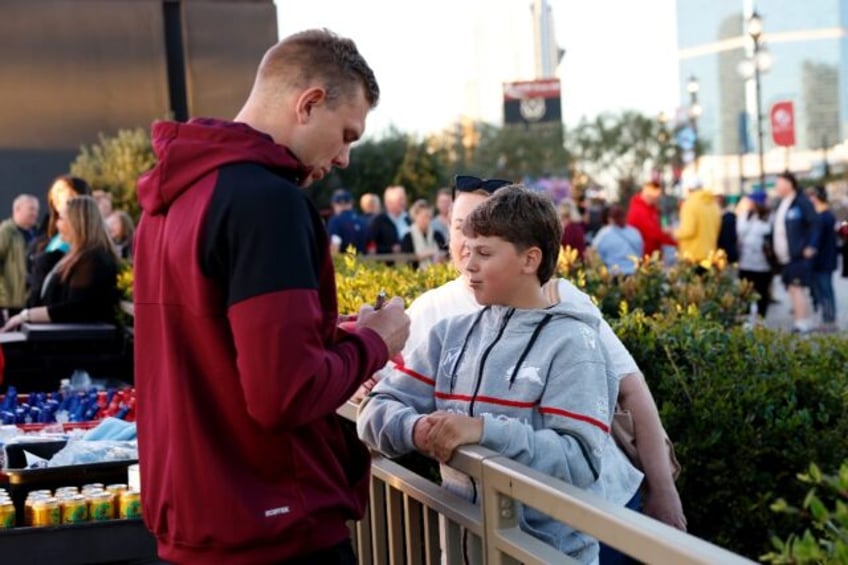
754, 66
694, 111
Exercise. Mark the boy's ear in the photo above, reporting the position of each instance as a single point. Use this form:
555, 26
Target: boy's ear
531, 261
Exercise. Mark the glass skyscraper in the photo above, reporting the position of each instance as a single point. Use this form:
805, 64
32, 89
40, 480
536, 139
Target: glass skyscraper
808, 44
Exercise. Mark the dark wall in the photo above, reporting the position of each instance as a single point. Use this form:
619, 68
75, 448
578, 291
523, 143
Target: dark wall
74, 68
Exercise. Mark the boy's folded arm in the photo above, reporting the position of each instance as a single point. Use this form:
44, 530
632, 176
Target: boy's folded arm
386, 424
388, 415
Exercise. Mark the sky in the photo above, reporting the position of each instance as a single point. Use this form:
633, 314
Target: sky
440, 60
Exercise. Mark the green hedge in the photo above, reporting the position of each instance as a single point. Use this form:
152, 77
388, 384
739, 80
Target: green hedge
747, 410
710, 286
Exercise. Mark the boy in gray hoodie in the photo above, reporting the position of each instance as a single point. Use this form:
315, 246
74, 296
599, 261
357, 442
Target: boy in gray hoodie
522, 378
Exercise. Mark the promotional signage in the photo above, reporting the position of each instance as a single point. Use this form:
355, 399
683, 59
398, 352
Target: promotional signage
782, 116
532, 101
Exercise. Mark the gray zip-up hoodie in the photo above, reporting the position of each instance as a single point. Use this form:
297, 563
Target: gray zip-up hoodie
542, 383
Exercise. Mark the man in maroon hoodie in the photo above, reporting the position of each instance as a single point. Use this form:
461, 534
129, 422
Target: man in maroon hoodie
644, 215
240, 365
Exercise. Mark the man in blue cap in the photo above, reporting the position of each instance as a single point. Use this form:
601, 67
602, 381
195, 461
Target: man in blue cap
346, 228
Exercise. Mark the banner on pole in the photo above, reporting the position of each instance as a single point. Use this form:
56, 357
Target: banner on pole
782, 116
532, 101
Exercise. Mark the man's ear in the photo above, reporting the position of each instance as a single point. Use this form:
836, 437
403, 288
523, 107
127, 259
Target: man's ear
532, 260
307, 101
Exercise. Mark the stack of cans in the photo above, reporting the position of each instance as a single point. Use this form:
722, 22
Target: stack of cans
71, 505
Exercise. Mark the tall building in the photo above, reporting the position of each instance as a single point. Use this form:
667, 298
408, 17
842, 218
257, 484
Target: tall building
545, 50
808, 47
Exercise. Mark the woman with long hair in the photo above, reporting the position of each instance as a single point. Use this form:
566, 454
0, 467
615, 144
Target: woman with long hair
81, 287
121, 230
63, 188
426, 243
45, 250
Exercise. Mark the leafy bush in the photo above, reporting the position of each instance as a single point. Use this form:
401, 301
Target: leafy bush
825, 540
114, 164
125, 281
747, 410
711, 285
358, 281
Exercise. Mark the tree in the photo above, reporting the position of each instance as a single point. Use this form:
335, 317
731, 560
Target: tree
423, 171
114, 164
622, 146
515, 152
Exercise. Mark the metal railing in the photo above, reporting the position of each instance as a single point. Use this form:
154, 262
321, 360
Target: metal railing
402, 523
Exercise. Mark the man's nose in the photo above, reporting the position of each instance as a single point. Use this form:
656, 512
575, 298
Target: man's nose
342, 160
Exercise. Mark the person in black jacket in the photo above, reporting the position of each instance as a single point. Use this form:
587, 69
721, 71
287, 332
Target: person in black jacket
796, 232
727, 238
388, 228
824, 263
82, 285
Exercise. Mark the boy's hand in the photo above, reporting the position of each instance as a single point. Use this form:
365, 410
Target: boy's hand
449, 431
421, 434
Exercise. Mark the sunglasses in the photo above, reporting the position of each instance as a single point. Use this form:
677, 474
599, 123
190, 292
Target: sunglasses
467, 183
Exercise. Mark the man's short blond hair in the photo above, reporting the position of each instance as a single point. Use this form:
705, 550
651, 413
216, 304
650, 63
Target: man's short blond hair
317, 56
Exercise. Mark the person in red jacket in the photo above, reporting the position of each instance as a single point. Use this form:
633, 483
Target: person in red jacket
644, 215
239, 361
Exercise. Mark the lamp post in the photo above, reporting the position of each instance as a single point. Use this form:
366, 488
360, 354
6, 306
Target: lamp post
754, 66
694, 112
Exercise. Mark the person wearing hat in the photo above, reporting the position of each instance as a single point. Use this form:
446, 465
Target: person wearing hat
700, 223
346, 228
753, 232
824, 263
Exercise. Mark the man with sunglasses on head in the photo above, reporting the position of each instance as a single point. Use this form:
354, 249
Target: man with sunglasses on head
661, 499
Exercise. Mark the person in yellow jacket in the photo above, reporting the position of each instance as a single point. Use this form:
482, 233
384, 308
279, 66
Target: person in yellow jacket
700, 222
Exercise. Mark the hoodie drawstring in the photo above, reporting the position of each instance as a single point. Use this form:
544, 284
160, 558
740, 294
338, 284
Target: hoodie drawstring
482, 364
464, 345
527, 349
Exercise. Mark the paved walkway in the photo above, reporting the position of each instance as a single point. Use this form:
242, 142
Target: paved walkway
779, 315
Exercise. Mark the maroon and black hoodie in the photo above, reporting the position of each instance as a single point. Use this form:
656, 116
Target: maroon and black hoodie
239, 366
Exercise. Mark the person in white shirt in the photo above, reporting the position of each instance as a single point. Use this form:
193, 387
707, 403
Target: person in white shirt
753, 232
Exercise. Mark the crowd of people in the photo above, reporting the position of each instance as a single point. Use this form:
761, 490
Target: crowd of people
63, 268
793, 237
747, 232
418, 232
